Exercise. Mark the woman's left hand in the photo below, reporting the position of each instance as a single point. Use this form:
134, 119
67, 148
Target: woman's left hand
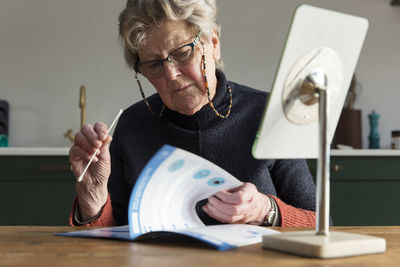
243, 204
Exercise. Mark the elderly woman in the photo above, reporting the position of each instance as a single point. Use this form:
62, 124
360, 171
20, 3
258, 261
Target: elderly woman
175, 45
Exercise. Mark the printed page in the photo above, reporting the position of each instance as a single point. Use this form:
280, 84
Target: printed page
228, 236
166, 193
118, 232
221, 237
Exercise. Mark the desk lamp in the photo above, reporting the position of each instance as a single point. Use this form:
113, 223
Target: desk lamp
300, 118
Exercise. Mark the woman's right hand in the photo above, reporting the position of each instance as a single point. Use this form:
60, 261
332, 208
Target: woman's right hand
92, 190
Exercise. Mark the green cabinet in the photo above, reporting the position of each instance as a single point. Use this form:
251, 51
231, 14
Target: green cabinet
365, 190
35, 190
39, 190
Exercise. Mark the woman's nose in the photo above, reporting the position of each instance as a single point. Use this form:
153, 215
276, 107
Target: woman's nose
171, 71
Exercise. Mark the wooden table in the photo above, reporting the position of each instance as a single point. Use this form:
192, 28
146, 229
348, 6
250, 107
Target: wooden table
37, 246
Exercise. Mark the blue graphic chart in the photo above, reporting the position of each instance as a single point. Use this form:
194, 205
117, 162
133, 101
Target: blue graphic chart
166, 193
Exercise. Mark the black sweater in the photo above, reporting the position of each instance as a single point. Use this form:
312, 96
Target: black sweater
225, 142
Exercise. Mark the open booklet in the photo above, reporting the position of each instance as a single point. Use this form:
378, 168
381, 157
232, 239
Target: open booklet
164, 201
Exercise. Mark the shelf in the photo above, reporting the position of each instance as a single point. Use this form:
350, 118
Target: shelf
365, 152
64, 151
34, 151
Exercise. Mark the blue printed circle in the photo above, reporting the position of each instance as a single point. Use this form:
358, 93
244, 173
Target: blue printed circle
216, 181
201, 174
176, 165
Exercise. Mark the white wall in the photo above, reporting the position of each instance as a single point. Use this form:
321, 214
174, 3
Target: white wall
49, 48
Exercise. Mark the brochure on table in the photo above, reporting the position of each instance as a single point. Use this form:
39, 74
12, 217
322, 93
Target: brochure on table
164, 201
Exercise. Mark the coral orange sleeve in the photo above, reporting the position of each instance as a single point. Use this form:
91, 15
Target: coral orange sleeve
294, 217
106, 217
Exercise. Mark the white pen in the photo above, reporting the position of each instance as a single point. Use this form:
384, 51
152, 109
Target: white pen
97, 150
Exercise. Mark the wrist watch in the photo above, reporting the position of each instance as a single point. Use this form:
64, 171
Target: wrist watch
270, 217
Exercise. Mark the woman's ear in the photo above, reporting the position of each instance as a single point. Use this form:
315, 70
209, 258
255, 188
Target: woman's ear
216, 46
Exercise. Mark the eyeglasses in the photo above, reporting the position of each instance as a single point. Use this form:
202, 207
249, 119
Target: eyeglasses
179, 57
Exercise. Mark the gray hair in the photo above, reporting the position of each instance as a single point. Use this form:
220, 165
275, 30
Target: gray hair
141, 16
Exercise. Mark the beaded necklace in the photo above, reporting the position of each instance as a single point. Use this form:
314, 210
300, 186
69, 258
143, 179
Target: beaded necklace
208, 89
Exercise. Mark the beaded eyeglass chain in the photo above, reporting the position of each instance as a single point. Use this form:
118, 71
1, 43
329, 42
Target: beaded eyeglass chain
206, 85
208, 89
145, 100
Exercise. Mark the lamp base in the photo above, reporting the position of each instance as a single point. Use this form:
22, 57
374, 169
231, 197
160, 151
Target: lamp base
336, 245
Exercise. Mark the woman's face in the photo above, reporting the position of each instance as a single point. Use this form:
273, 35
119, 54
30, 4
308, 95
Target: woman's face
182, 88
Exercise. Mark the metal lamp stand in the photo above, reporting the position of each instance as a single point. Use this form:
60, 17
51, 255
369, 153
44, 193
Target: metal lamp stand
321, 243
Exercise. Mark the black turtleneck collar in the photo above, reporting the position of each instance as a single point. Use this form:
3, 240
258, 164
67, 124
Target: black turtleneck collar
205, 116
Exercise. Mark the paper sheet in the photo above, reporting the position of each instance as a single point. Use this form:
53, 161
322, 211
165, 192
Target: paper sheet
166, 193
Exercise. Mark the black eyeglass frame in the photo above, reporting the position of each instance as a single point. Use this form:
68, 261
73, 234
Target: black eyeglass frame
161, 61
